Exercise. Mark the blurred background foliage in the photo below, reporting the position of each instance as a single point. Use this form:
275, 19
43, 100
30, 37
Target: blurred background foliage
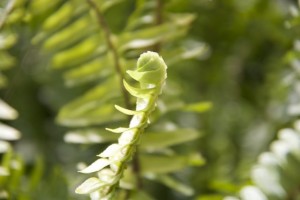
245, 65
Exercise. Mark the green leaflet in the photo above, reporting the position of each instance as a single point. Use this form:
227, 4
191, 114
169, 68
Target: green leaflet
89, 71
151, 142
94, 107
198, 107
38, 7
69, 34
7, 112
174, 184
81, 52
7, 133
87, 136
150, 36
60, 17
7, 40
159, 140
166, 164
150, 73
7, 60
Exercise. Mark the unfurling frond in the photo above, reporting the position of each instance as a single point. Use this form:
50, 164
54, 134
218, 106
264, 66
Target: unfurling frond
151, 75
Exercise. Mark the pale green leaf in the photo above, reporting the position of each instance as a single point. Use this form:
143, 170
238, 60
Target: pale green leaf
127, 111
175, 55
88, 136
7, 112
175, 185
9, 133
110, 150
292, 138
7, 40
38, 7
141, 43
82, 52
94, 107
287, 160
89, 186
97, 114
16, 16
93, 70
158, 140
166, 164
117, 130
70, 34
136, 92
96, 166
4, 146
3, 170
267, 178
141, 15
7, 61
105, 5
150, 36
198, 107
60, 17
151, 71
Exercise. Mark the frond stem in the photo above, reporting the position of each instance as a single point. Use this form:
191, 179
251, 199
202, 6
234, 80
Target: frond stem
108, 38
102, 23
158, 21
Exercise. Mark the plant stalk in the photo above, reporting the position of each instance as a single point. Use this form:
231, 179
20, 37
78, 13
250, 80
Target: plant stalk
107, 33
158, 21
108, 37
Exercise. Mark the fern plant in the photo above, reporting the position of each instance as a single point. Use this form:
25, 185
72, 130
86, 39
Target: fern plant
97, 57
151, 74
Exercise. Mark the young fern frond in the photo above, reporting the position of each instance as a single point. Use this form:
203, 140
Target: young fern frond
151, 75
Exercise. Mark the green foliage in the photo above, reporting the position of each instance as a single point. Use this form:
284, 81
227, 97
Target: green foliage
99, 57
275, 176
151, 74
67, 58
15, 185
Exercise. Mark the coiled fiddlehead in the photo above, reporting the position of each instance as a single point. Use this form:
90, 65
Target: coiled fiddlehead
151, 75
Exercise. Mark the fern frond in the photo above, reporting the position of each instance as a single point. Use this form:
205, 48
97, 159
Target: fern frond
87, 57
276, 174
151, 74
